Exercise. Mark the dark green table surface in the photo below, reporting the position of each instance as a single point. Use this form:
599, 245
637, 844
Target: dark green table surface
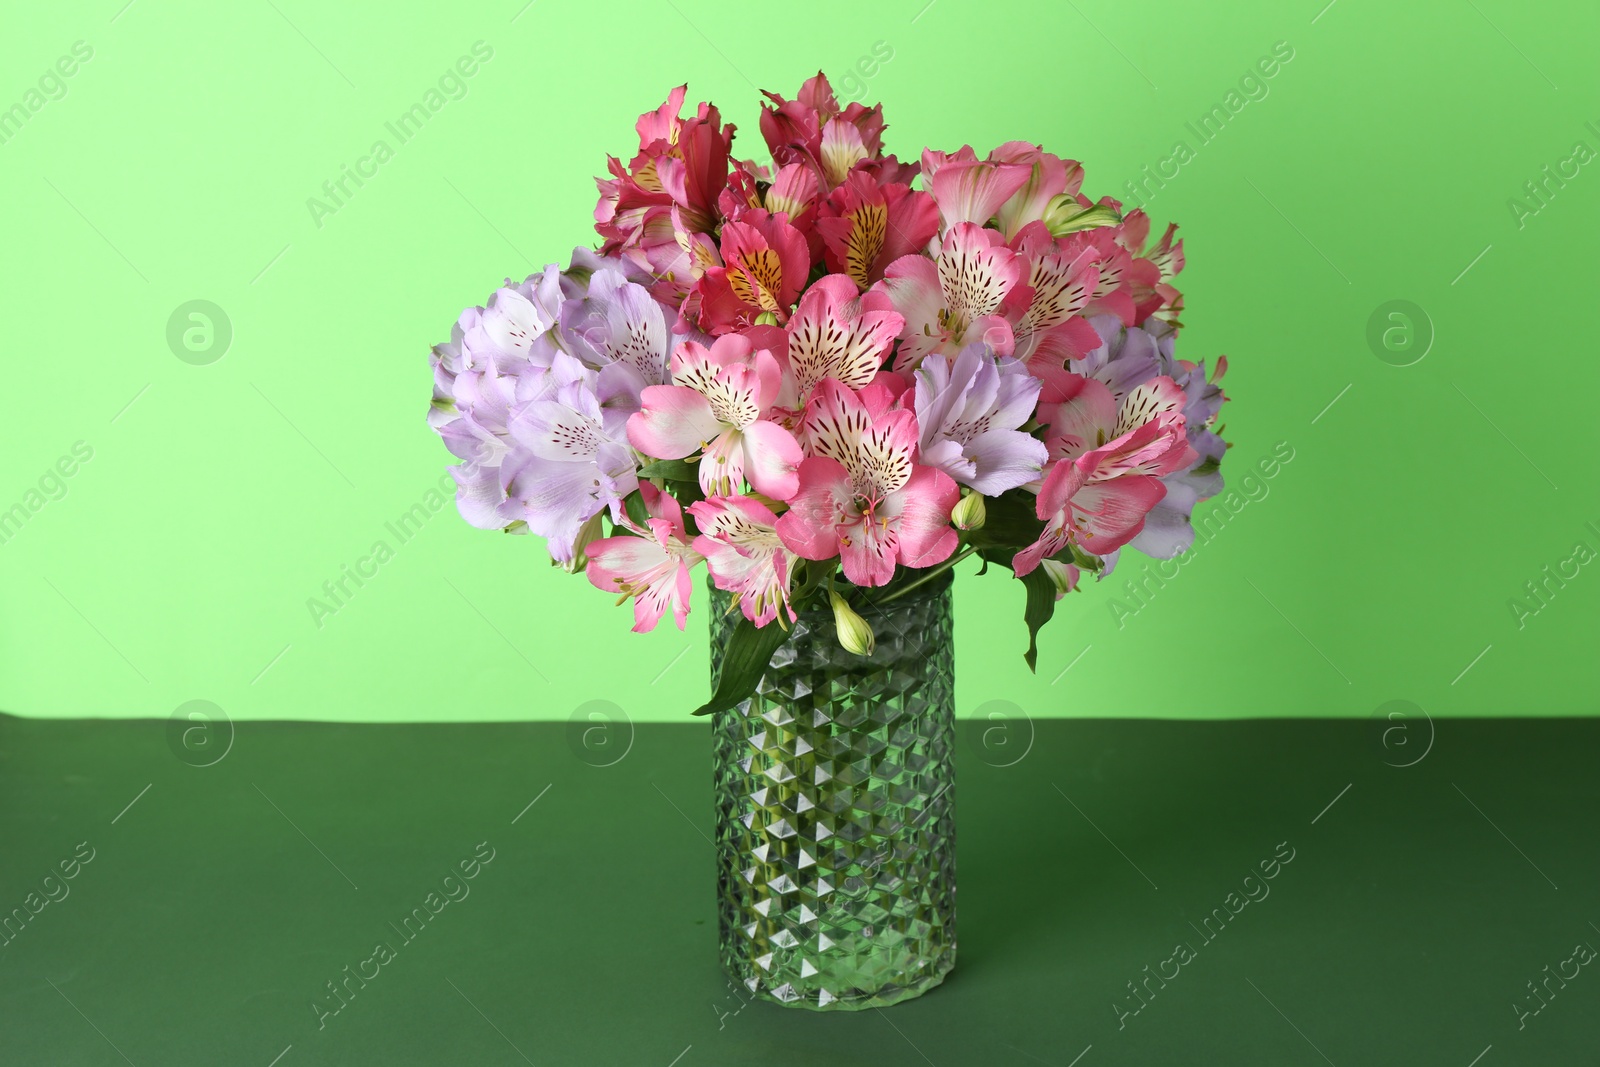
220, 901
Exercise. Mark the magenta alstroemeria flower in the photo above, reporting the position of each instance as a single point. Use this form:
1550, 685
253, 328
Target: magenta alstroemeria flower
969, 409
833, 141
717, 402
651, 564
682, 163
862, 496
867, 225
764, 265
739, 540
1110, 462
963, 296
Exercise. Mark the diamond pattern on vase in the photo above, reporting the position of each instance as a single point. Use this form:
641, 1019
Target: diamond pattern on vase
835, 813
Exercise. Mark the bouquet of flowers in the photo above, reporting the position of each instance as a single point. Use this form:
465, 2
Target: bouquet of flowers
834, 375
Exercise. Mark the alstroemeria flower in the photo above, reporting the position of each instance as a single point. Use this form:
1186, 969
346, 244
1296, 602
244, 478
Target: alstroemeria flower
830, 336
1167, 529
681, 162
1049, 177
866, 226
1051, 329
1153, 268
617, 328
1113, 291
862, 496
567, 464
969, 189
512, 331
765, 261
833, 141
739, 539
793, 191
717, 402
961, 297
1083, 416
969, 409
1125, 357
651, 564
502, 358
1110, 462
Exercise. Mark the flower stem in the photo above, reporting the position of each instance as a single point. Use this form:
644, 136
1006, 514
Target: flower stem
931, 575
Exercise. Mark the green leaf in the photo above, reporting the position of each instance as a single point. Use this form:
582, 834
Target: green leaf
673, 470
809, 576
633, 503
1040, 606
744, 660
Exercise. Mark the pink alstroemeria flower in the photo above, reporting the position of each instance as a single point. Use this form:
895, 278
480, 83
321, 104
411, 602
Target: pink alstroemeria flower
831, 336
966, 294
1110, 462
1052, 330
651, 564
717, 402
1050, 176
1153, 268
969, 189
739, 540
862, 497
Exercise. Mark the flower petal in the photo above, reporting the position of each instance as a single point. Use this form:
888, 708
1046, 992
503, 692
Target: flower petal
972, 190
811, 525
674, 422
1005, 459
923, 526
771, 459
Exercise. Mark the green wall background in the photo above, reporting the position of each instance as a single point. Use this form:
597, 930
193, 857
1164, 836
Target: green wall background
1381, 563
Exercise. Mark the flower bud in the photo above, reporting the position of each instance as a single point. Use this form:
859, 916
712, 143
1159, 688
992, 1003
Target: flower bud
1064, 576
970, 511
854, 633
588, 534
1064, 215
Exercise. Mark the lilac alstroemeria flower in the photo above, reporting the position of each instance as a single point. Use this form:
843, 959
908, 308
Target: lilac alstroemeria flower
1127, 357
617, 328
1167, 529
532, 393
570, 460
968, 409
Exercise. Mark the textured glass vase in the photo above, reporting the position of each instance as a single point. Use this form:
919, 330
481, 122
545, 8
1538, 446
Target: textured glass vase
835, 810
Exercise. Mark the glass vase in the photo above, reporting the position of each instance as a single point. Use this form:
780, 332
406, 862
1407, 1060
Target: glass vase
835, 808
